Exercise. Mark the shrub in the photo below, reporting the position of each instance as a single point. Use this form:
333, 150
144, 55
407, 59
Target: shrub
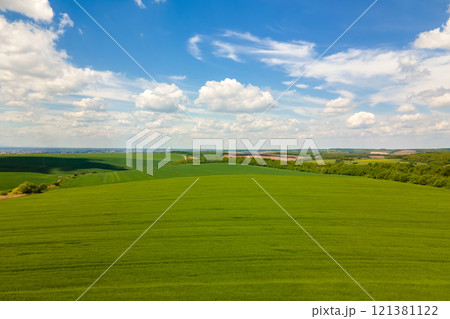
441, 182
3, 192
27, 188
15, 191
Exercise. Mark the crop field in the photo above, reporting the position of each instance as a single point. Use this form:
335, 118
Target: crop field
100, 168
225, 238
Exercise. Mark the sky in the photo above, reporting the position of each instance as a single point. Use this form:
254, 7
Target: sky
225, 69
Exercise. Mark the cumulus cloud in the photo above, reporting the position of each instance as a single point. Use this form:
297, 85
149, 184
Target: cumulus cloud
406, 108
441, 126
400, 75
85, 116
33, 69
95, 104
433, 98
440, 101
193, 48
230, 96
361, 120
91, 110
39, 10
408, 117
163, 98
438, 38
339, 105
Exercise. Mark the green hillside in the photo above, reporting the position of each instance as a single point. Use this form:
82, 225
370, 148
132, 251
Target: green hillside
227, 240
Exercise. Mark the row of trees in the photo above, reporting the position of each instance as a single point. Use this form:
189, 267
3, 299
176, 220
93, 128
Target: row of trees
423, 174
438, 158
436, 175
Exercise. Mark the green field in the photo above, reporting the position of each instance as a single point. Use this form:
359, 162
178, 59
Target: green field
102, 168
225, 239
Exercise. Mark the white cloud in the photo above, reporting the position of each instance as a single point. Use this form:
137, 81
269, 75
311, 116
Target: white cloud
356, 66
433, 98
33, 69
95, 104
161, 99
85, 116
140, 4
288, 55
177, 77
338, 106
300, 85
444, 125
39, 10
406, 108
64, 22
225, 50
361, 120
393, 76
193, 48
409, 117
294, 56
230, 96
441, 101
438, 38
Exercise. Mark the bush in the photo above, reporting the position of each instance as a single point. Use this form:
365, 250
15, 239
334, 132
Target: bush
3, 192
441, 182
15, 191
28, 188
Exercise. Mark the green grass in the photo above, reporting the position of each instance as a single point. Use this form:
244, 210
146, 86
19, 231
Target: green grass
226, 240
48, 168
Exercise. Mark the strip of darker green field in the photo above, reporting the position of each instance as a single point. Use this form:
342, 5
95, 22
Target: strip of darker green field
227, 240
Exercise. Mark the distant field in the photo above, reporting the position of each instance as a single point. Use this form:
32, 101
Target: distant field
103, 168
226, 240
48, 168
376, 160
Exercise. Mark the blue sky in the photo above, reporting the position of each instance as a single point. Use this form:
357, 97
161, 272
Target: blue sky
386, 82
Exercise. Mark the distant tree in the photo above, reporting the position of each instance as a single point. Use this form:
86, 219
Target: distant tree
27, 188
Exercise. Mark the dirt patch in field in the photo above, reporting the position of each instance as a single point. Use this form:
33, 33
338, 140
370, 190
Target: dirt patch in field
12, 196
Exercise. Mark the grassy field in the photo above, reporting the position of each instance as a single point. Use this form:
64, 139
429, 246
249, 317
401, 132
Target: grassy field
227, 240
48, 168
